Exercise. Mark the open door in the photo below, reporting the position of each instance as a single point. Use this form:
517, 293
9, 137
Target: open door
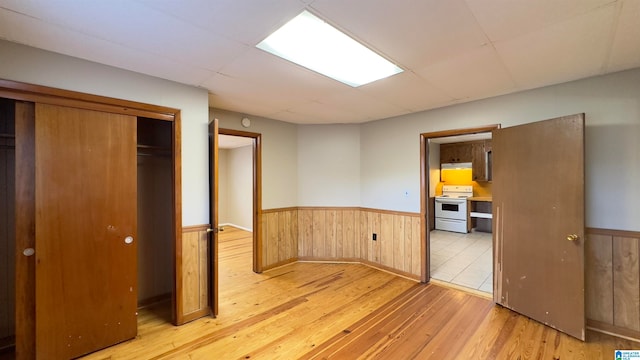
538, 200
85, 247
213, 215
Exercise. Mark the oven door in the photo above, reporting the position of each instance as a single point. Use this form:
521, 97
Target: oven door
451, 208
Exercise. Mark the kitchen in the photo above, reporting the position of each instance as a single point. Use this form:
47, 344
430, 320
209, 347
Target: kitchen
461, 229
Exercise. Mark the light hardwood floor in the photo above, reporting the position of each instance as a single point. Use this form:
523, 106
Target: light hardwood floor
346, 311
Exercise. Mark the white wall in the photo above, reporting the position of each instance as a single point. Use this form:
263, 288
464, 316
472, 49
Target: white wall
329, 165
612, 107
239, 188
223, 209
279, 156
30, 65
388, 149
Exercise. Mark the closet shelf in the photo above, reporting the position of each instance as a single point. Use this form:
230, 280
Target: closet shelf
154, 147
151, 150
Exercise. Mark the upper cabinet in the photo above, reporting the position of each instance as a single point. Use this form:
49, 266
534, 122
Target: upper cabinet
481, 160
478, 153
455, 153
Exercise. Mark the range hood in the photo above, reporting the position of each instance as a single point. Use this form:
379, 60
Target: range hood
455, 166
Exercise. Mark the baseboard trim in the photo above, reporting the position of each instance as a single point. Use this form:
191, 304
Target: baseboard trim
190, 228
279, 264
154, 300
612, 330
235, 226
313, 259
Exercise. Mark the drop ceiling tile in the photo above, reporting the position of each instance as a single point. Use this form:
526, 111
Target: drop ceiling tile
261, 68
109, 20
625, 52
138, 27
411, 33
47, 36
565, 51
224, 88
503, 20
5, 29
358, 102
317, 112
242, 106
296, 118
407, 91
248, 22
478, 73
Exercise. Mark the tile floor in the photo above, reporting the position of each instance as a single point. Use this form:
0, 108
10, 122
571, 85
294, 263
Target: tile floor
462, 259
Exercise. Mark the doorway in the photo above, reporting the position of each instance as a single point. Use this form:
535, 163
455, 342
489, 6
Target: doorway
461, 258
238, 187
235, 169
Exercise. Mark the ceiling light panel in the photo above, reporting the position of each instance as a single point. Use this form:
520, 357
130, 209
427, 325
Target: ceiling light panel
310, 42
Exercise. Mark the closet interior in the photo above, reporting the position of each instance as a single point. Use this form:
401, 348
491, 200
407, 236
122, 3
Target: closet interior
7, 225
155, 218
155, 211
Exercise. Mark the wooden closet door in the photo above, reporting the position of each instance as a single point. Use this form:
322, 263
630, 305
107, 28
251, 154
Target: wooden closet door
86, 281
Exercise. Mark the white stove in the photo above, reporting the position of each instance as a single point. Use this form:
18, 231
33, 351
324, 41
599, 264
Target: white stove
451, 208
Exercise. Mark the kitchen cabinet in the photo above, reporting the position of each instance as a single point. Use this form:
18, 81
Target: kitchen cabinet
455, 153
481, 160
479, 213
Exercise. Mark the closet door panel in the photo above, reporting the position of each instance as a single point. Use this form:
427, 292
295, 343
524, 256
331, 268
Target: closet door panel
25, 230
86, 276
7, 223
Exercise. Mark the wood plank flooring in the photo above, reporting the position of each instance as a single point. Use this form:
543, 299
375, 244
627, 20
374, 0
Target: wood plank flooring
346, 311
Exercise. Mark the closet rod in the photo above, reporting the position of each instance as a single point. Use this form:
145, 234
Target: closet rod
155, 155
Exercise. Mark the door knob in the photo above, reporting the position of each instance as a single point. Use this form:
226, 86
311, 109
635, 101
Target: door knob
128, 240
572, 237
29, 251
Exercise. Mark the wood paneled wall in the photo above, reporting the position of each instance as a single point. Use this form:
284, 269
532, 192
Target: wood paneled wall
328, 233
612, 281
195, 271
397, 246
279, 237
343, 234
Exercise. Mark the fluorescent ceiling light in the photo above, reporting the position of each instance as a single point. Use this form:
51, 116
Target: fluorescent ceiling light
309, 41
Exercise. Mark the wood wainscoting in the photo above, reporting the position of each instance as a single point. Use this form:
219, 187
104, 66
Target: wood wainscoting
279, 237
195, 273
612, 282
343, 234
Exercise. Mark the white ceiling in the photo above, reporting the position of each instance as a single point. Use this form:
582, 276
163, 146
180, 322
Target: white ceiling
232, 142
453, 51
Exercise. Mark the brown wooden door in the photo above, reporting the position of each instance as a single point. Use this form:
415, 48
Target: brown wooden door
213, 214
538, 199
86, 291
